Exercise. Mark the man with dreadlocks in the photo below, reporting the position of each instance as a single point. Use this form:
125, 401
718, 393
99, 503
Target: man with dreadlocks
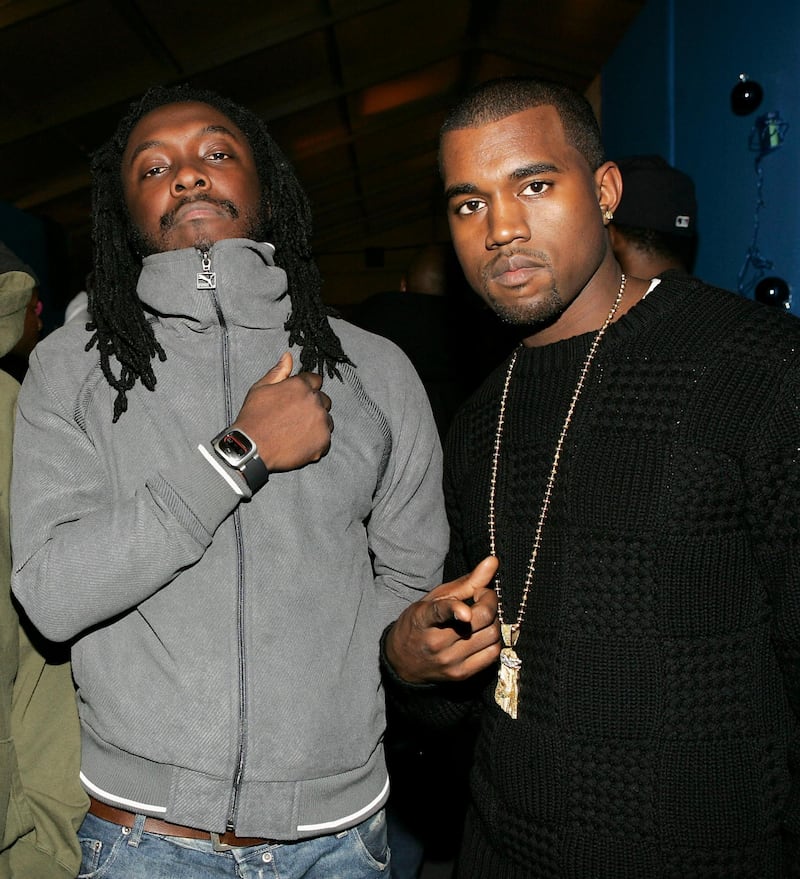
221, 563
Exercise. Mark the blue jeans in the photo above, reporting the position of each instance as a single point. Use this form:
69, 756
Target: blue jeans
114, 852
408, 850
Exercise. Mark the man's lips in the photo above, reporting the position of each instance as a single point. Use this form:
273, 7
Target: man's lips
512, 271
198, 210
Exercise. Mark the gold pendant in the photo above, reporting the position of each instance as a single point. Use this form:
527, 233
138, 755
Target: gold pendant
506, 693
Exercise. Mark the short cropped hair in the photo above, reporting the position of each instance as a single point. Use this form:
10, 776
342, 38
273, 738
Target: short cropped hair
497, 98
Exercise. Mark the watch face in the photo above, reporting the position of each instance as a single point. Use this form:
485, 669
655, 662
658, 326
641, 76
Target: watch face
234, 446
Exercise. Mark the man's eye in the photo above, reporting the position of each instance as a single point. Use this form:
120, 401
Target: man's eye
469, 207
536, 187
154, 172
219, 154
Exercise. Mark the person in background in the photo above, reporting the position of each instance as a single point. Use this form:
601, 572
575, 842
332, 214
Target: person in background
451, 337
221, 540
633, 469
421, 317
15, 361
42, 802
78, 308
654, 228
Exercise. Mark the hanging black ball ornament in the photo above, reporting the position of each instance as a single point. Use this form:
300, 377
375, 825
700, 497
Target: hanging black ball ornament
773, 291
746, 96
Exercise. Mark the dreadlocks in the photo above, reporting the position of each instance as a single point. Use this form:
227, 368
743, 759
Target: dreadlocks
119, 323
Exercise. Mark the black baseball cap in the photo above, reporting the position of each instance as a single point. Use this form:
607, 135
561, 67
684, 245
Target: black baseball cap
656, 196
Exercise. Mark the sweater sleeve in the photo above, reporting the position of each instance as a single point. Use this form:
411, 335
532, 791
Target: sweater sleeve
418, 709
773, 478
83, 555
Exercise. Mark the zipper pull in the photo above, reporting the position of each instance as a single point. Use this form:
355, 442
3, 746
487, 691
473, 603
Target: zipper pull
206, 279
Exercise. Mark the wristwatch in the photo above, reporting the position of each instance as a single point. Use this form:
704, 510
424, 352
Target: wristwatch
237, 450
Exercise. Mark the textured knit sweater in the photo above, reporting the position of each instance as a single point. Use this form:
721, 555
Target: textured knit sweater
660, 681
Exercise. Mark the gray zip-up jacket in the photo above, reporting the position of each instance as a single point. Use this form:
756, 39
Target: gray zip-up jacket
226, 652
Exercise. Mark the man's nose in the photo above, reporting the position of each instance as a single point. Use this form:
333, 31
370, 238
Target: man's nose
508, 222
189, 177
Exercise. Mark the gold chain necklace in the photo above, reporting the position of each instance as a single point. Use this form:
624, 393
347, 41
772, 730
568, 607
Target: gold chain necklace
506, 693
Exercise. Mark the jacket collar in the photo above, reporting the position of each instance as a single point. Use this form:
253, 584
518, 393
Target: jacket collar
250, 289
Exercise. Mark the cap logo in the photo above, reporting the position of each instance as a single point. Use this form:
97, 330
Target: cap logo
682, 221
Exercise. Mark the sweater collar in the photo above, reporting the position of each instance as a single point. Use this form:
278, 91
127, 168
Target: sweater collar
250, 289
657, 306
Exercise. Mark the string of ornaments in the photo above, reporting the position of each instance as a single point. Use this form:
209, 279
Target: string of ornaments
766, 136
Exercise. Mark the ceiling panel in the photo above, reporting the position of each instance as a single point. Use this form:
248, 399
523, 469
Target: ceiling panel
354, 91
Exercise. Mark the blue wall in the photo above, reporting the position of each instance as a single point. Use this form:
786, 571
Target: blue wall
667, 90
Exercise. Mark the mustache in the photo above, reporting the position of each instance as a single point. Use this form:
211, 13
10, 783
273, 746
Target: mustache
167, 221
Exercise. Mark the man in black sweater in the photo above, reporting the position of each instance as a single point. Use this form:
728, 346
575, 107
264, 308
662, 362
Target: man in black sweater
634, 467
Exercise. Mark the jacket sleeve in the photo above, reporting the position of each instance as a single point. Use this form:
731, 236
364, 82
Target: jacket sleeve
407, 529
48, 749
81, 554
420, 709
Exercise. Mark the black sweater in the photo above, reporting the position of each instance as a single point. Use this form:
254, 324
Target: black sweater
660, 685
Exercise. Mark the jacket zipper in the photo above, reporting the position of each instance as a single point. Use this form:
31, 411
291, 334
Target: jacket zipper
207, 280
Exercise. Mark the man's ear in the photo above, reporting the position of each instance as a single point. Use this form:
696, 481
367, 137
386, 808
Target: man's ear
608, 183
